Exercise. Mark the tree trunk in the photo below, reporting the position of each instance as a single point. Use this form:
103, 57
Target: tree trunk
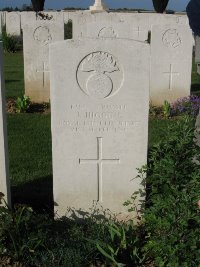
38, 5
160, 5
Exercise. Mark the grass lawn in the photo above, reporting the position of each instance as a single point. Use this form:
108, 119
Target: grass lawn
29, 140
14, 74
195, 87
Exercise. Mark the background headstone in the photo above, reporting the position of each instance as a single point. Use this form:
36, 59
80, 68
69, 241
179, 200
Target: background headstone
171, 63
110, 25
99, 109
1, 22
4, 172
36, 39
13, 23
27, 18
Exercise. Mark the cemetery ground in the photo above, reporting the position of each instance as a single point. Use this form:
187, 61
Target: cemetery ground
171, 233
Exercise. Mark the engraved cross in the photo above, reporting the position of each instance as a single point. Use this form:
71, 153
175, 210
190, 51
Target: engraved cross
171, 73
99, 161
44, 70
138, 31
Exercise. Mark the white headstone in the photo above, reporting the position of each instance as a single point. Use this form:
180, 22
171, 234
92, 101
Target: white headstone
163, 19
1, 22
4, 172
13, 23
99, 105
110, 25
27, 18
171, 63
36, 39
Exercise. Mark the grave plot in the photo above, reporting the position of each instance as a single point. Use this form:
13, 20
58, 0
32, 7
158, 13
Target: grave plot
36, 39
13, 23
171, 63
99, 105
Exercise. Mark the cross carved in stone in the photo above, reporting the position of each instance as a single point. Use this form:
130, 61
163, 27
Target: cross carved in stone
170, 73
43, 71
99, 161
138, 31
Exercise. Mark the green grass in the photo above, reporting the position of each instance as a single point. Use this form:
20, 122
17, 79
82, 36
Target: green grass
195, 87
29, 139
14, 74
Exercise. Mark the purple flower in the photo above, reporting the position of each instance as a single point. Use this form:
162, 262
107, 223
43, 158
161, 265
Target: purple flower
186, 105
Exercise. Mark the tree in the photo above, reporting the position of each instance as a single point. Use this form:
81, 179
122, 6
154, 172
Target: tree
160, 5
38, 5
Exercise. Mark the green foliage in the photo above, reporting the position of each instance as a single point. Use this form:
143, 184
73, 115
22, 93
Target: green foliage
154, 110
160, 5
171, 217
18, 230
14, 74
39, 240
22, 104
166, 109
10, 43
38, 5
68, 30
123, 244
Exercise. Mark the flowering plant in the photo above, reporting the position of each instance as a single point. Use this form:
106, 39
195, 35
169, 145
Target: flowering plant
188, 105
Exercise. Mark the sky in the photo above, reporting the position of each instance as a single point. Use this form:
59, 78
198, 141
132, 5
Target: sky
177, 5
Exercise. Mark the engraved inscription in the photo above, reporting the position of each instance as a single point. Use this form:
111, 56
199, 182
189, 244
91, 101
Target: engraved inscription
44, 70
171, 38
107, 32
42, 35
171, 73
99, 161
99, 75
102, 119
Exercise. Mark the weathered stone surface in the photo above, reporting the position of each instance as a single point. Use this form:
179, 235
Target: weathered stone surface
120, 24
4, 177
13, 23
36, 39
99, 105
110, 25
171, 63
27, 18
163, 19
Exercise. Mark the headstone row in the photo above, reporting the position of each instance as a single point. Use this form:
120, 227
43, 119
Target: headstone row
165, 85
170, 36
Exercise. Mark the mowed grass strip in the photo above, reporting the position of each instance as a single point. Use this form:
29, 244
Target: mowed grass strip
14, 74
29, 139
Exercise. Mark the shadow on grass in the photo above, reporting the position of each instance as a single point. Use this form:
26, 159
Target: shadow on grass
195, 88
11, 81
37, 194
